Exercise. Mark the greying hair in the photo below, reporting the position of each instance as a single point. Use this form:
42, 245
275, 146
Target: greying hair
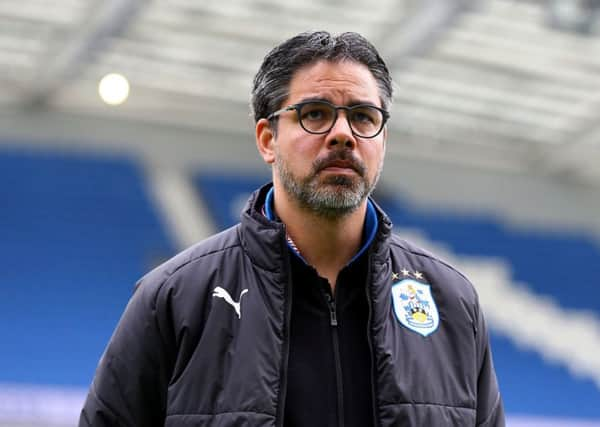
272, 81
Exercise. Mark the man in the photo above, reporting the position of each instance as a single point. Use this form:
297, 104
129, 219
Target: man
310, 312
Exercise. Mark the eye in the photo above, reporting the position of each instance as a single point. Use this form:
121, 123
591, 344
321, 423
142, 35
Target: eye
316, 112
361, 117
365, 115
313, 114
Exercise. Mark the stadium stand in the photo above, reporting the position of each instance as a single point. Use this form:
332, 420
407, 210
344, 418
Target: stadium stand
77, 232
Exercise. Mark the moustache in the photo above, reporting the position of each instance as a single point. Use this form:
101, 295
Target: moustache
340, 159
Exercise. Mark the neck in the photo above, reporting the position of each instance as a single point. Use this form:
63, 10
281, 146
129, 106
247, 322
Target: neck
328, 244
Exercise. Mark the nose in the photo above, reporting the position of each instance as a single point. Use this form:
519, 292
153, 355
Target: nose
340, 136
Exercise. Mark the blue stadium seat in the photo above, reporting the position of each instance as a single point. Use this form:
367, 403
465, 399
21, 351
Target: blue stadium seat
77, 232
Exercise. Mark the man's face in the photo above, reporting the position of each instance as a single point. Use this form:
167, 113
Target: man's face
330, 174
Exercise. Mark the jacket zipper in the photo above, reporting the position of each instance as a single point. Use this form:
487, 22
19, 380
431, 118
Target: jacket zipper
280, 413
333, 321
370, 342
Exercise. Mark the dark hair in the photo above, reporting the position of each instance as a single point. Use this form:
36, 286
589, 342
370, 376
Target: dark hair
272, 81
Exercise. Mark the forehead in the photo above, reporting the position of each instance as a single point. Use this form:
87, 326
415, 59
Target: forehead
338, 82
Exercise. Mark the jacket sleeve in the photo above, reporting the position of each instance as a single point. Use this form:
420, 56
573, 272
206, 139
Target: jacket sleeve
490, 409
130, 384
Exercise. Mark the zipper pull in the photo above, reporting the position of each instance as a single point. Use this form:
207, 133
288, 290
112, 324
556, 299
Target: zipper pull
332, 314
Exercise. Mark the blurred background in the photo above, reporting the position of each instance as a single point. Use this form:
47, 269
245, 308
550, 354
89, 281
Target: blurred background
125, 136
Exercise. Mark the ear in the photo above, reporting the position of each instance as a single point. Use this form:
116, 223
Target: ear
264, 140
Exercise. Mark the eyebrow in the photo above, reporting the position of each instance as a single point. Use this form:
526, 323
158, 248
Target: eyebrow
352, 103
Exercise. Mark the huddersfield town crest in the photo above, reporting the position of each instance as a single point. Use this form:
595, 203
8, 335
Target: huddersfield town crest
414, 306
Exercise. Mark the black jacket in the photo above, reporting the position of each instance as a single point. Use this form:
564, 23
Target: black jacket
181, 354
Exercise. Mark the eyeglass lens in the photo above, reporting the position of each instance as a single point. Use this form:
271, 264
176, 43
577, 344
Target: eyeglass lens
319, 117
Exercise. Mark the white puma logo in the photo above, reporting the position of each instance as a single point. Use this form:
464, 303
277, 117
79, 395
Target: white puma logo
222, 293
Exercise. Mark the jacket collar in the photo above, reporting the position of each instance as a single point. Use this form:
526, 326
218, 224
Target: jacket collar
370, 226
265, 240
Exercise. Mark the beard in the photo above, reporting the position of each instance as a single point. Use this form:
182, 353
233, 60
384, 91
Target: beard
332, 196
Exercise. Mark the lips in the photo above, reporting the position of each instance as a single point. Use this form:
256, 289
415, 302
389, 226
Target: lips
340, 164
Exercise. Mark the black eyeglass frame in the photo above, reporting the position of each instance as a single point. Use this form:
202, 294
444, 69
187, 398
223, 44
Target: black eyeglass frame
297, 107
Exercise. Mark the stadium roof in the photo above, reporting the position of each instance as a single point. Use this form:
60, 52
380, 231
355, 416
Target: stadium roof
503, 85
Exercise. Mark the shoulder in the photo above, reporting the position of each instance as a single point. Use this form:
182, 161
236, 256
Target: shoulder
443, 276
424, 256
192, 264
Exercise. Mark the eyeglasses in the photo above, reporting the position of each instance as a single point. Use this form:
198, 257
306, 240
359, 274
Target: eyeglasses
319, 117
